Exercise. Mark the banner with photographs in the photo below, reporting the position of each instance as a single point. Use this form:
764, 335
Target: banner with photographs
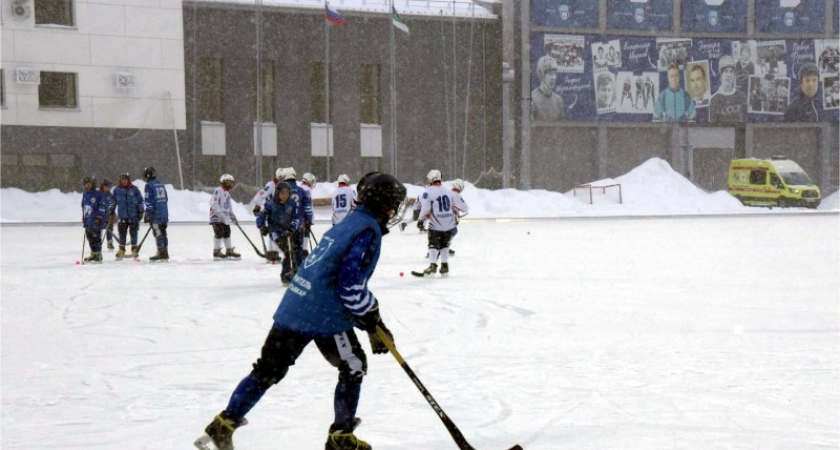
641, 79
714, 16
789, 16
649, 15
565, 13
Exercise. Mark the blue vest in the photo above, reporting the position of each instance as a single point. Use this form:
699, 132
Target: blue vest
311, 305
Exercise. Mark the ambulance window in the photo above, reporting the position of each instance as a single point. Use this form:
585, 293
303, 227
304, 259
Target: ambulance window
776, 181
758, 177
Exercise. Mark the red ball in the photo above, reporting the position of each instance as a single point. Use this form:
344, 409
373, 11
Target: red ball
77, 262
401, 274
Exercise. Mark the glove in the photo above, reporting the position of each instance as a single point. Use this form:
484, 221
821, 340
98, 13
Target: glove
139, 216
256, 210
260, 220
147, 218
377, 346
97, 222
264, 230
289, 233
306, 227
233, 220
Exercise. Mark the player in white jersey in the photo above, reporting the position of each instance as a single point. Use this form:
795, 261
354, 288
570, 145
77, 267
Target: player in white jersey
342, 199
221, 216
441, 207
272, 252
307, 184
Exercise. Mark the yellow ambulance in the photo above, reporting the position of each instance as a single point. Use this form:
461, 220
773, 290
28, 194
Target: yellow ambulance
774, 182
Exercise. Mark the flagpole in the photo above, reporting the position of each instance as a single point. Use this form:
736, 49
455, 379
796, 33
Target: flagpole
327, 89
393, 97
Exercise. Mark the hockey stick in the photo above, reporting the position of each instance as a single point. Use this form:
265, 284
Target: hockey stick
84, 241
460, 441
291, 253
312, 235
262, 255
139, 246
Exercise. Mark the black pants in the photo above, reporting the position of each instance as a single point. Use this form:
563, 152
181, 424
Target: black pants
94, 237
439, 239
220, 230
128, 227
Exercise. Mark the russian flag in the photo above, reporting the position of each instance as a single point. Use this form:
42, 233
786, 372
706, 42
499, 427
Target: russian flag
333, 16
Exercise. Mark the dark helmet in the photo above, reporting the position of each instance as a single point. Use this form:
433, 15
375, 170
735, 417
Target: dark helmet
106, 183
125, 176
281, 187
149, 173
90, 179
382, 193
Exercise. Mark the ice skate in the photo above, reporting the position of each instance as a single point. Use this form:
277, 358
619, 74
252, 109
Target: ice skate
110, 246
233, 255
162, 255
120, 253
444, 269
135, 251
345, 439
219, 433
218, 255
95, 258
430, 271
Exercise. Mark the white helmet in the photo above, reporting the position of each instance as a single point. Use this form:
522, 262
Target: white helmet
458, 184
433, 175
279, 174
343, 178
225, 178
309, 179
289, 174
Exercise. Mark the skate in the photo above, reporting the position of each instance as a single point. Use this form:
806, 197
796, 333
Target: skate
89, 258
218, 255
285, 279
96, 258
402, 226
233, 255
444, 269
345, 440
135, 251
162, 255
110, 246
430, 271
220, 433
120, 253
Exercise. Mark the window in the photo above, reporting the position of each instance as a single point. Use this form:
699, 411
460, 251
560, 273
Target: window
2, 87
776, 181
267, 80
758, 177
54, 12
211, 94
370, 110
317, 97
58, 90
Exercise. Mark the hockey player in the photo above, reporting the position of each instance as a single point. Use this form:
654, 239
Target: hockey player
281, 217
440, 206
129, 202
105, 190
457, 188
265, 194
157, 213
327, 298
221, 216
309, 182
94, 218
305, 216
342, 199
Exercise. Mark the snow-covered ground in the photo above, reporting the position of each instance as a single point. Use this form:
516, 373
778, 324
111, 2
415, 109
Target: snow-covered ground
713, 326
653, 188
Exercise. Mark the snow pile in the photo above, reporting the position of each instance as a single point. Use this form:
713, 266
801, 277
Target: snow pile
652, 188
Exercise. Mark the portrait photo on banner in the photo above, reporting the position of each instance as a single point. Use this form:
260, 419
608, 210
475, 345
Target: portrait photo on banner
605, 96
697, 82
745, 66
828, 56
567, 50
831, 92
636, 92
771, 58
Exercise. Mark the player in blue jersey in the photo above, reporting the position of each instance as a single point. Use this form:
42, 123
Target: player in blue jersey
279, 218
303, 199
130, 207
157, 212
327, 298
94, 218
105, 190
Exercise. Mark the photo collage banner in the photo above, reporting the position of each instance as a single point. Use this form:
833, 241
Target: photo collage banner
706, 16
642, 79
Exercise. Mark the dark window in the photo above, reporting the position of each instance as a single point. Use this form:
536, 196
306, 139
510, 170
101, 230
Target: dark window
58, 90
758, 177
54, 12
317, 94
776, 181
211, 95
267, 92
370, 110
2, 87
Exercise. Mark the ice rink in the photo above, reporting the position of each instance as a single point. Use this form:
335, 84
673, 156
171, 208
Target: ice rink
692, 333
